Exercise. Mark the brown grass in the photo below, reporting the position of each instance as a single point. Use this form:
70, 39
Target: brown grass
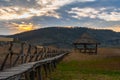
77, 66
102, 53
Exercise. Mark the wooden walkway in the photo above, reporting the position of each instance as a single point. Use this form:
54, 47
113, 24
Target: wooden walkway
36, 64
14, 73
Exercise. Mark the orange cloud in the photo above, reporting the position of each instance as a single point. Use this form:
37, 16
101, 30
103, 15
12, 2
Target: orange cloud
23, 27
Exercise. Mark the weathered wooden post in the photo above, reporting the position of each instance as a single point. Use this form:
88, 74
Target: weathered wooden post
22, 52
27, 76
85, 48
32, 75
39, 75
54, 64
11, 53
20, 55
6, 57
96, 48
33, 54
40, 54
49, 67
28, 53
43, 53
36, 53
45, 69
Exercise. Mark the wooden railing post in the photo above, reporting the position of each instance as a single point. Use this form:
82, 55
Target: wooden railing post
40, 54
22, 53
11, 53
52, 68
39, 75
45, 69
54, 64
37, 54
49, 67
33, 54
3, 64
27, 76
15, 62
28, 53
32, 75
6, 57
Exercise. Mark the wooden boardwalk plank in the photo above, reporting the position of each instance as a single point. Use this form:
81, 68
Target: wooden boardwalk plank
15, 71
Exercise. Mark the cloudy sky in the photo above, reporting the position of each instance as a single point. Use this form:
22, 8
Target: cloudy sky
23, 15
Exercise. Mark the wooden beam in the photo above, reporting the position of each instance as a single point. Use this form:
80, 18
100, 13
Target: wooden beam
16, 60
96, 48
32, 75
6, 57
85, 48
28, 53
27, 76
22, 53
3, 64
33, 55
45, 69
39, 75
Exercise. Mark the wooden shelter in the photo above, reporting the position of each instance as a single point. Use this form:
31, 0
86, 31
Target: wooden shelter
86, 44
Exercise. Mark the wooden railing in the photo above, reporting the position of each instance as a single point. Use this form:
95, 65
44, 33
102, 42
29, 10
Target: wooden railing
28, 62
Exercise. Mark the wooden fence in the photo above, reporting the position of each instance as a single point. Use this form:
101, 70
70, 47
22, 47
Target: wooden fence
29, 62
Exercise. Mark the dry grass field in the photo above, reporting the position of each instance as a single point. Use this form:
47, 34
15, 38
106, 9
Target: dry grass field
77, 66
102, 53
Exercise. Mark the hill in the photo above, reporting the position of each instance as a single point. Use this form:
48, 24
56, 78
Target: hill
64, 37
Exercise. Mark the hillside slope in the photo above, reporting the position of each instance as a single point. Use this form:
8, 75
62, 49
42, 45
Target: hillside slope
64, 37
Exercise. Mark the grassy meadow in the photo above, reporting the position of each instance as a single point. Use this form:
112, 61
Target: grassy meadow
77, 66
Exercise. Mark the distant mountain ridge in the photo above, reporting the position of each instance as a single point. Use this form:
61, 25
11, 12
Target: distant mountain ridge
1, 36
64, 37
